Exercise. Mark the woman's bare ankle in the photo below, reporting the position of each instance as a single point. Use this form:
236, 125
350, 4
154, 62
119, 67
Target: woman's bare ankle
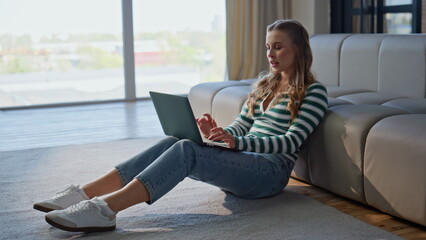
108, 183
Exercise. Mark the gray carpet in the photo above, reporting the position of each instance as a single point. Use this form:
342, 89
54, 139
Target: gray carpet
193, 210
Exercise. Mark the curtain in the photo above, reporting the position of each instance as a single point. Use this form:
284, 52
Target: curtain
246, 22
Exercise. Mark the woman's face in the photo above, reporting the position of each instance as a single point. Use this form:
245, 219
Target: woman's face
280, 52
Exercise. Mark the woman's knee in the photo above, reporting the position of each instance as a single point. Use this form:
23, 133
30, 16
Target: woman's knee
186, 144
164, 144
169, 140
185, 151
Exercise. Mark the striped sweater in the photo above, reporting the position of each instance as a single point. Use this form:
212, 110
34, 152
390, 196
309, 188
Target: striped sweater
270, 130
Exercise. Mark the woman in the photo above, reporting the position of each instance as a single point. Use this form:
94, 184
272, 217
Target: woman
281, 112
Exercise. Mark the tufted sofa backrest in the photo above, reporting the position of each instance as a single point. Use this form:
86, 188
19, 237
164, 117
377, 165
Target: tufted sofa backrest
383, 63
326, 57
402, 65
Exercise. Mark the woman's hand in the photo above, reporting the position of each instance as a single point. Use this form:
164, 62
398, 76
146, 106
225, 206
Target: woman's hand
209, 129
218, 134
206, 123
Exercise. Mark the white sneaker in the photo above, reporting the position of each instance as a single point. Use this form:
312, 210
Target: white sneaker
87, 216
63, 199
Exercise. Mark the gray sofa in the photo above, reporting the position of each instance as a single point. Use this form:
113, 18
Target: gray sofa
371, 145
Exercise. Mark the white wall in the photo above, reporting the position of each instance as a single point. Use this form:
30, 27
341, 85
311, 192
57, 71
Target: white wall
313, 14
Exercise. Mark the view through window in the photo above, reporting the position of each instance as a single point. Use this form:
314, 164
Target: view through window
60, 51
178, 44
399, 23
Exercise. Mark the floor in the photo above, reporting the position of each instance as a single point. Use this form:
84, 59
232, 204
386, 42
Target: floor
49, 127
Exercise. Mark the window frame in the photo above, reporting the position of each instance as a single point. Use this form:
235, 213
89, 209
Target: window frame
128, 51
342, 14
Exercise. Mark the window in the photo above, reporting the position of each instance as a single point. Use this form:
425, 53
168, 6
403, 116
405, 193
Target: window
376, 16
178, 44
60, 51
72, 51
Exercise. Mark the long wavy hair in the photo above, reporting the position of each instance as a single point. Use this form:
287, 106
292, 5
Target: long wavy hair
301, 77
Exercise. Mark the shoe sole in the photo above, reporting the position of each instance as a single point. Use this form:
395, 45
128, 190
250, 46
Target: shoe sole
43, 209
83, 229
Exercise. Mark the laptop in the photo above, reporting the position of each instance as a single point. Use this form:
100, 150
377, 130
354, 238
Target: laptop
177, 119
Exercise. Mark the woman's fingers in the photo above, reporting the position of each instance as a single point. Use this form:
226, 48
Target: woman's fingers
217, 130
214, 124
206, 119
229, 140
219, 134
208, 116
214, 135
208, 127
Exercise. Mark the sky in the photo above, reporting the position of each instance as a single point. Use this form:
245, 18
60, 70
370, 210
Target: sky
104, 16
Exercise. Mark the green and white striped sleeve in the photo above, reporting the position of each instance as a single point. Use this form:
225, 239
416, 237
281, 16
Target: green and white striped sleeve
311, 112
242, 124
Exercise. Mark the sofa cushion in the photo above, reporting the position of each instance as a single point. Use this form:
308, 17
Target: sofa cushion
367, 98
227, 104
335, 101
395, 166
326, 55
201, 95
402, 62
336, 148
359, 61
301, 168
249, 81
336, 91
411, 105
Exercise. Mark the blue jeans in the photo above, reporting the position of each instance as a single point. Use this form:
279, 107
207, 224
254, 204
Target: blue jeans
246, 174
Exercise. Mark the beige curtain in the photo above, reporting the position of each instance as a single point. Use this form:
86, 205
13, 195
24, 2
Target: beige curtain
246, 22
